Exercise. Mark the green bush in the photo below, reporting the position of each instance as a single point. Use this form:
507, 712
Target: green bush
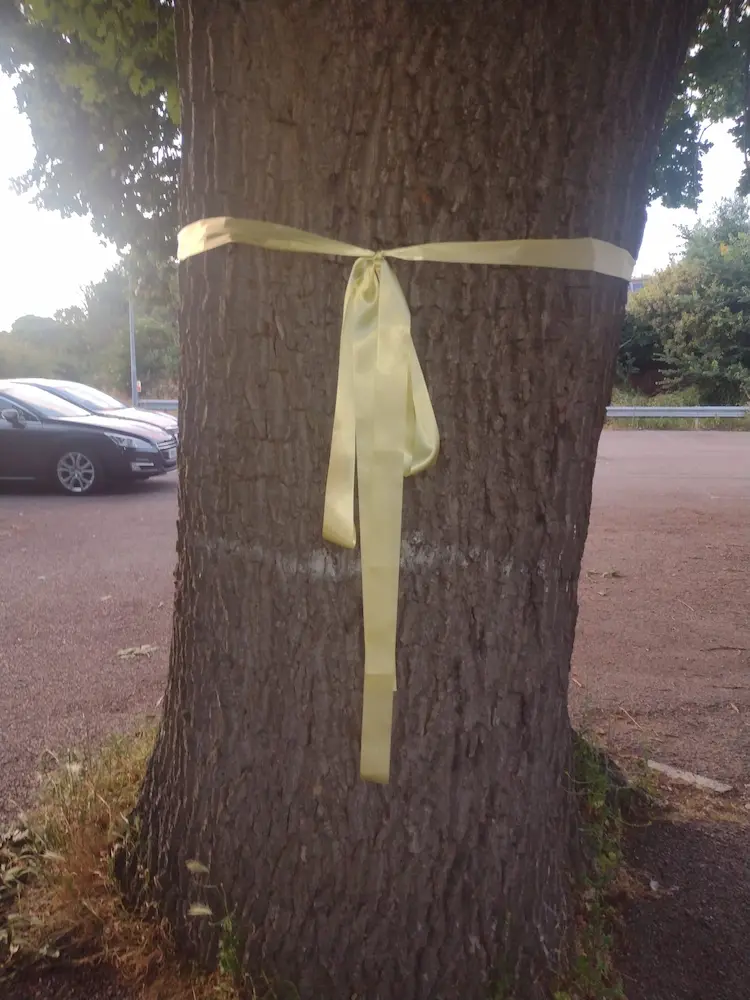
692, 320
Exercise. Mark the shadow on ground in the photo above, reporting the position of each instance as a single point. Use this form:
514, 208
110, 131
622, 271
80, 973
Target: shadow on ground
686, 924
688, 938
69, 984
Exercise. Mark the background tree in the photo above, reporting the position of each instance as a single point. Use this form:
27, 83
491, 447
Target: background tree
33, 342
90, 343
97, 82
97, 79
692, 320
714, 86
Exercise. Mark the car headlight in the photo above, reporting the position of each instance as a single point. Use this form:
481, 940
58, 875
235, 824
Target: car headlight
137, 444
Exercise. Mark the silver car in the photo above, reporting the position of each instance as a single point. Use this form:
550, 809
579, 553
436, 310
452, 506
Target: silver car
100, 403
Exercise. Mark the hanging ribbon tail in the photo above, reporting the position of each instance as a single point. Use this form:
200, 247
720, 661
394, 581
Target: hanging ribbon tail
381, 376
423, 436
383, 429
338, 509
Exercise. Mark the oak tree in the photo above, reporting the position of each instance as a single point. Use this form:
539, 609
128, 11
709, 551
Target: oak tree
385, 124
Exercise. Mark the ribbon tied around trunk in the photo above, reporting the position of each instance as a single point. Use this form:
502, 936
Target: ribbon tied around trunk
384, 427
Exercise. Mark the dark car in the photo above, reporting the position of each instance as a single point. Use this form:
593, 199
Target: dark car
44, 438
94, 401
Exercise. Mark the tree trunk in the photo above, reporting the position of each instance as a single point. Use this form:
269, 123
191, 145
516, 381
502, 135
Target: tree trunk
383, 123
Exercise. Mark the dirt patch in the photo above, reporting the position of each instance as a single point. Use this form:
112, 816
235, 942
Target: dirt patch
686, 924
68, 984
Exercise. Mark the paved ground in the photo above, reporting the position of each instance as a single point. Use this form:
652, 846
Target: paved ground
686, 919
664, 632
662, 657
81, 579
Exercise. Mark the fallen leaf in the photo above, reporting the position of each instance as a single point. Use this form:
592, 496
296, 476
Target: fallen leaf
200, 910
132, 651
608, 574
196, 867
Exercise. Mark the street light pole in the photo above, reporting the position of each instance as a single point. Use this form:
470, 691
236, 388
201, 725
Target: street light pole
131, 320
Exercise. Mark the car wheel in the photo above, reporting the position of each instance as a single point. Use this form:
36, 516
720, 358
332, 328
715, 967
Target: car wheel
77, 473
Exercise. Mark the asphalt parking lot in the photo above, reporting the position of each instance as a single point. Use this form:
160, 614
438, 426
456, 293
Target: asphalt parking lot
83, 578
661, 663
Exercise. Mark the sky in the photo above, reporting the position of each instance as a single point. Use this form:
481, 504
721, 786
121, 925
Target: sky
46, 261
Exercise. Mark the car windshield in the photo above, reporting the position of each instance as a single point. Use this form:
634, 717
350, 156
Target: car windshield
43, 402
89, 398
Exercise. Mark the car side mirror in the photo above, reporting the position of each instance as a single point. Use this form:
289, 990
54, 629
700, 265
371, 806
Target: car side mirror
14, 418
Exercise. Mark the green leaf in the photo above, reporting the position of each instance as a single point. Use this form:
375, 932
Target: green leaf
691, 322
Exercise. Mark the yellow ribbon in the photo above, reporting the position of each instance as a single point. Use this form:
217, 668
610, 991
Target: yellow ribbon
383, 421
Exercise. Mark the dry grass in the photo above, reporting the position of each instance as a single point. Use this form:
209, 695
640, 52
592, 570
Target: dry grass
679, 424
694, 804
682, 802
61, 903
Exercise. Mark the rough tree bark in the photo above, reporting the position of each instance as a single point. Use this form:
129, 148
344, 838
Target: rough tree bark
386, 122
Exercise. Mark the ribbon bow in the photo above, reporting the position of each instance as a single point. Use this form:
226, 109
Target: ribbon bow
384, 424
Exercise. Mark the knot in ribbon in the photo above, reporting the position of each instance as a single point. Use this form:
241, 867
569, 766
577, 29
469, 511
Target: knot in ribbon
384, 427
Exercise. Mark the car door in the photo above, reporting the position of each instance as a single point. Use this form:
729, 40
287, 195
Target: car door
24, 446
14, 457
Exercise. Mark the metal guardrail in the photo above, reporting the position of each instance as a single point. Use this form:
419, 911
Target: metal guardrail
613, 412
169, 405
693, 412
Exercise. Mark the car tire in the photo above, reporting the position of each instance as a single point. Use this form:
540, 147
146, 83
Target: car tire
77, 472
